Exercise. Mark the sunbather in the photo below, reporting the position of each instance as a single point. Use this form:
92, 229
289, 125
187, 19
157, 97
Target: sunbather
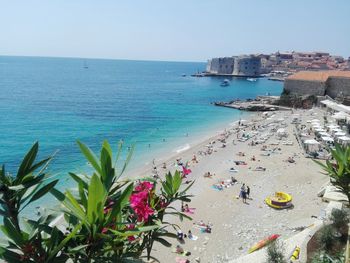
260, 168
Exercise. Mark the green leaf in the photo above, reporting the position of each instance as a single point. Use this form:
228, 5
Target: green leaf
43, 191
9, 255
79, 180
90, 156
11, 232
63, 242
96, 199
67, 202
28, 161
107, 173
128, 158
162, 241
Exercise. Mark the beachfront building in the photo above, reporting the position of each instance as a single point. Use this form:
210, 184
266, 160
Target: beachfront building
244, 66
334, 83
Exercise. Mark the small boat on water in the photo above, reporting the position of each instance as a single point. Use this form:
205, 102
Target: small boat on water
263, 243
225, 83
252, 79
183, 75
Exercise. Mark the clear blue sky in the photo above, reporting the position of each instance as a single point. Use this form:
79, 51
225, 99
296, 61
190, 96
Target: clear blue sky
181, 30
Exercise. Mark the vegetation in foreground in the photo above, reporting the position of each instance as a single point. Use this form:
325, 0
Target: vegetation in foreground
108, 218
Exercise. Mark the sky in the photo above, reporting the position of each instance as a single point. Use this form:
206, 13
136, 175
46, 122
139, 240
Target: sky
181, 30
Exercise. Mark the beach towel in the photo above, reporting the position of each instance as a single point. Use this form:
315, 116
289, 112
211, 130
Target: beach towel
190, 210
181, 260
193, 237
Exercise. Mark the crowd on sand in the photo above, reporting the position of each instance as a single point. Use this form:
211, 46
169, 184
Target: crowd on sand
246, 162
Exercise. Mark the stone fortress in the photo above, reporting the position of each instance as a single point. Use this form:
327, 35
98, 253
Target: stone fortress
332, 83
245, 66
285, 62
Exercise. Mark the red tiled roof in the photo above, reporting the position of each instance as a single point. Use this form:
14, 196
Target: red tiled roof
319, 75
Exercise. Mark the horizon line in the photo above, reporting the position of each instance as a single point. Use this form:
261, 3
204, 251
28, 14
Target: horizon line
102, 58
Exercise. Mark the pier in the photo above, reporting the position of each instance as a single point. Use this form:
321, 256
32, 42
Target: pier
261, 103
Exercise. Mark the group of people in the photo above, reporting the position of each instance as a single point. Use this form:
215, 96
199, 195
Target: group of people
244, 193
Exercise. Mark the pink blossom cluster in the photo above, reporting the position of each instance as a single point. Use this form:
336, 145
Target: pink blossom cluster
139, 201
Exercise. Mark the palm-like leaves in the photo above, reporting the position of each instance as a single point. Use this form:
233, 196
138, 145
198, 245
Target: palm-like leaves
339, 168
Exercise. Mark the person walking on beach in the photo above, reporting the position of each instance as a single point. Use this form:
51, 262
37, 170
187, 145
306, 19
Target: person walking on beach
243, 194
248, 192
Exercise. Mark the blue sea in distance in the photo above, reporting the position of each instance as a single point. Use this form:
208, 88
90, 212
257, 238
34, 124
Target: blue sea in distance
58, 101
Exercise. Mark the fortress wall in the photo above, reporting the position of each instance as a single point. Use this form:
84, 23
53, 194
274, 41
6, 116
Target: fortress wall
247, 66
338, 85
305, 87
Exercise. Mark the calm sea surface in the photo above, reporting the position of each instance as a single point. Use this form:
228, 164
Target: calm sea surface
57, 101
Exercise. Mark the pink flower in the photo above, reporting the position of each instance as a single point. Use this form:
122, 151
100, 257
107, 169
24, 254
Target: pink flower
139, 201
143, 213
144, 186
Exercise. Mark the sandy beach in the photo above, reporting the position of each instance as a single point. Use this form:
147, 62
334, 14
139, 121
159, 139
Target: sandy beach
236, 226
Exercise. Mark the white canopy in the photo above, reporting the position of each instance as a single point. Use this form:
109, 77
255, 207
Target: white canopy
327, 139
339, 134
332, 126
320, 130
325, 134
281, 130
335, 106
340, 115
311, 141
336, 130
344, 138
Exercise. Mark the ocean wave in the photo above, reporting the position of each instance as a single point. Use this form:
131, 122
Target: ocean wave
182, 148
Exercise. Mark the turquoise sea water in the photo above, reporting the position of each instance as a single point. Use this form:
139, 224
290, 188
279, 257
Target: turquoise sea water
57, 101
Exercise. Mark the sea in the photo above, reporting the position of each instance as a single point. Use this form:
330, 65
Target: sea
156, 107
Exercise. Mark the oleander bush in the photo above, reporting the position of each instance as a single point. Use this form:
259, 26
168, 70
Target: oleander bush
275, 253
108, 219
339, 218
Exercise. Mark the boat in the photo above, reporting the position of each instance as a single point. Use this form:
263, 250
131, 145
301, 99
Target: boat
85, 65
183, 75
225, 83
252, 79
263, 243
295, 254
280, 200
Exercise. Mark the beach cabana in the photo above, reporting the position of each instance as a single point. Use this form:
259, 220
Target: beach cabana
324, 134
311, 145
339, 134
320, 130
344, 140
327, 139
281, 133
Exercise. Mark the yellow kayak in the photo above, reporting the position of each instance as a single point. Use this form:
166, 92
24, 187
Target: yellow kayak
295, 254
263, 243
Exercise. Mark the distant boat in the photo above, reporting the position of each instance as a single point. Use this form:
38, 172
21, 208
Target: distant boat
85, 65
183, 75
225, 83
252, 79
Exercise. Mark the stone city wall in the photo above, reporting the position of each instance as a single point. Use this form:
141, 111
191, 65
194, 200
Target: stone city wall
338, 86
305, 87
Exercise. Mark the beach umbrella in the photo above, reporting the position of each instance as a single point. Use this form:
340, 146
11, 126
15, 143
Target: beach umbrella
320, 130
325, 134
311, 141
340, 133
327, 139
